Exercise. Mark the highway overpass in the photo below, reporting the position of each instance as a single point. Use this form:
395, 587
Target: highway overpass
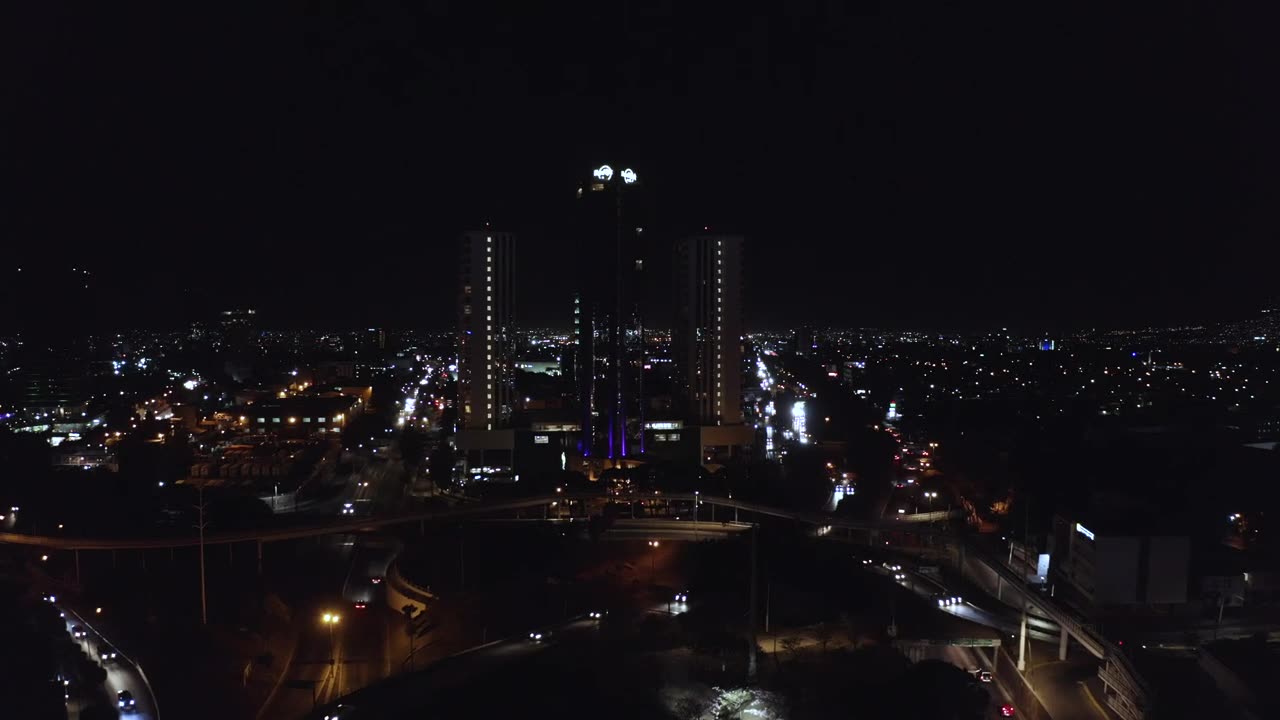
1127, 694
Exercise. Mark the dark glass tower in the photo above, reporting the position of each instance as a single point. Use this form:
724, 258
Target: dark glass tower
608, 322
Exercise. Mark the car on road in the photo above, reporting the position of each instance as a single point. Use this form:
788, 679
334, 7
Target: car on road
597, 615
49, 597
1006, 710
348, 508
338, 713
361, 605
538, 636
106, 654
682, 597
125, 701
78, 632
980, 675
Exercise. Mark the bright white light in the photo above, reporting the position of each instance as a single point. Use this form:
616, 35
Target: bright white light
798, 419
628, 176
604, 172
1084, 531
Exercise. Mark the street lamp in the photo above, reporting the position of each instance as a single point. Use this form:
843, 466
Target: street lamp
330, 619
653, 544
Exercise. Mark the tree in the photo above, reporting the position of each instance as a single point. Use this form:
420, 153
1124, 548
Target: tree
690, 708
413, 447
792, 645
441, 465
807, 485
823, 633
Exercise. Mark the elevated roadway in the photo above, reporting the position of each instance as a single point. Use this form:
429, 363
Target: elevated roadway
1128, 695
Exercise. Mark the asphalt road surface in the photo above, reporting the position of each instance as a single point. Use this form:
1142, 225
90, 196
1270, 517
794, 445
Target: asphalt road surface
355, 652
122, 674
415, 689
966, 659
1058, 683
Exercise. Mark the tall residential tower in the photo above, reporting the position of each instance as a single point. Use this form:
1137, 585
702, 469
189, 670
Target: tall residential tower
486, 329
706, 338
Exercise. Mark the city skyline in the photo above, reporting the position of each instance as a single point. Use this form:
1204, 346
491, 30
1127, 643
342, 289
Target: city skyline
657, 360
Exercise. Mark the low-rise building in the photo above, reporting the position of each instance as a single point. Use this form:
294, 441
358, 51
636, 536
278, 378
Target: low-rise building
1123, 560
299, 415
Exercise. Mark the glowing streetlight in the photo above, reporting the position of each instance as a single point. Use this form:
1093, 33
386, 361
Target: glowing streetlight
329, 620
653, 544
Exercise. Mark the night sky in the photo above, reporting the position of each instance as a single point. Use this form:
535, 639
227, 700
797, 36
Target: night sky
940, 165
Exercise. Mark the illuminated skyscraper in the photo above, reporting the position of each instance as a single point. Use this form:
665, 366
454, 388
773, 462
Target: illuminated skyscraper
608, 321
486, 331
706, 338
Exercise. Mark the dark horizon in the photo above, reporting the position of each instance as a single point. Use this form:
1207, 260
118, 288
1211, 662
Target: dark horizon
889, 167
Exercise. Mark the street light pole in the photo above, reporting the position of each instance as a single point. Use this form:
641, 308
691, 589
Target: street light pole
331, 619
653, 544
200, 524
697, 504
753, 593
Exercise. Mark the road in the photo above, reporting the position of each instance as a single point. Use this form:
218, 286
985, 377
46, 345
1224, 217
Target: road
966, 659
415, 690
359, 643
359, 524
122, 673
1060, 684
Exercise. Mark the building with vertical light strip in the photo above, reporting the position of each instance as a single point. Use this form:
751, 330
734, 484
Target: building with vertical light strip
486, 331
607, 360
706, 341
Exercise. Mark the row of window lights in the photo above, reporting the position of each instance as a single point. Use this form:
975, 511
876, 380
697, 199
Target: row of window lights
294, 420
719, 302
488, 268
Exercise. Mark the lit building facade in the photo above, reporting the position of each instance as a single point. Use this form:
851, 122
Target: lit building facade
706, 338
1123, 559
486, 329
608, 322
